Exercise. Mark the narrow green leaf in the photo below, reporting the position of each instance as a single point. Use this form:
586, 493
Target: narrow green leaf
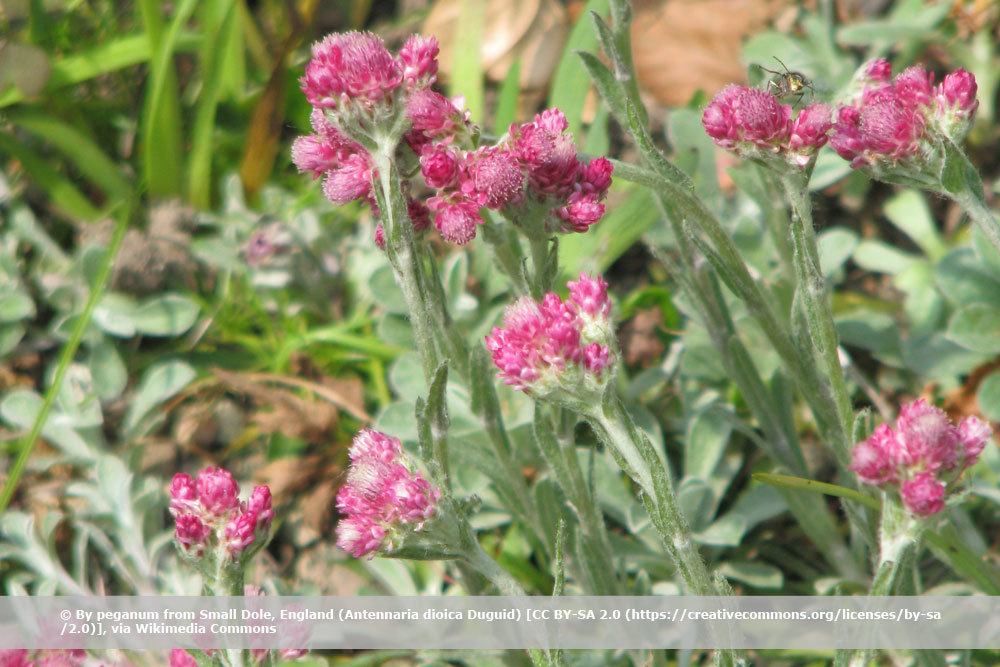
609, 89
214, 56
507, 98
107, 57
569, 84
64, 196
160, 134
803, 484
81, 150
467, 64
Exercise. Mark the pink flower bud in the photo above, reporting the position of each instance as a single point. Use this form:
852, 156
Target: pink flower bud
494, 178
580, 212
181, 658
590, 295
259, 504
923, 494
191, 533
217, 491
958, 91
359, 535
884, 128
349, 181
439, 166
930, 441
240, 533
878, 70
183, 494
914, 86
596, 358
311, 154
419, 59
596, 176
432, 113
810, 128
351, 67
370, 444
875, 460
974, 434
457, 221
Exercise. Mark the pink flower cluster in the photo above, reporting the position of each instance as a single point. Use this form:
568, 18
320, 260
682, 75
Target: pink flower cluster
535, 164
352, 75
208, 513
539, 344
892, 120
383, 494
753, 123
922, 455
43, 658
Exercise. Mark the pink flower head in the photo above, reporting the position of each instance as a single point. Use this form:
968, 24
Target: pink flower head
191, 533
923, 454
914, 86
554, 344
383, 494
181, 658
494, 178
350, 67
419, 59
958, 91
218, 492
875, 460
590, 296
439, 164
370, 444
351, 180
596, 177
580, 212
923, 494
259, 504
884, 128
60, 658
433, 114
240, 533
183, 494
740, 114
548, 154
16, 657
311, 153
974, 434
890, 128
878, 70
456, 221
810, 128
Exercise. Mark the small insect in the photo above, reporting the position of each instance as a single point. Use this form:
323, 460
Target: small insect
787, 83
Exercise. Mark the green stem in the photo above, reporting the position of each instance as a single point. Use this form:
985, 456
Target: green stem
539, 264
819, 313
404, 260
65, 359
974, 205
642, 463
899, 538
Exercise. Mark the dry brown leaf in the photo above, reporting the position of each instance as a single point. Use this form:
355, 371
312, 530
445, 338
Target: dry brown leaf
532, 31
682, 46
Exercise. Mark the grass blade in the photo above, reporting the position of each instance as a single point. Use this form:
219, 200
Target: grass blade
81, 150
219, 19
571, 81
466, 63
507, 98
160, 136
803, 484
64, 196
